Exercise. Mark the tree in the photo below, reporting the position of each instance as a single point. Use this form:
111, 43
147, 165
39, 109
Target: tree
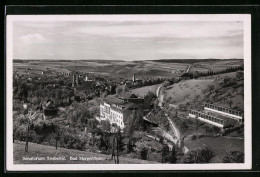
197, 125
230, 103
125, 88
23, 90
196, 74
115, 149
106, 125
204, 91
240, 75
173, 155
234, 157
134, 122
165, 152
143, 153
120, 144
27, 137
151, 95
119, 90
130, 145
166, 83
199, 156
129, 130
138, 120
211, 87
57, 138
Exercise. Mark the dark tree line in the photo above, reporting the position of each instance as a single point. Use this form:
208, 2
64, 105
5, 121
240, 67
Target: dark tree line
227, 70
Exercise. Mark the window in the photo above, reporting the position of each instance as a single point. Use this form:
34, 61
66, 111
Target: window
107, 110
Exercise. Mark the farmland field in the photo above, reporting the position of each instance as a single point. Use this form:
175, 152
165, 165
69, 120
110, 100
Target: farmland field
120, 68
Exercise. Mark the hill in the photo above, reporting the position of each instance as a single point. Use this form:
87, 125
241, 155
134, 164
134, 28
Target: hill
186, 90
123, 69
144, 90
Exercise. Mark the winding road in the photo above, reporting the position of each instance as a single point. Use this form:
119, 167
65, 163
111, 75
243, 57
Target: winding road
174, 128
177, 136
160, 97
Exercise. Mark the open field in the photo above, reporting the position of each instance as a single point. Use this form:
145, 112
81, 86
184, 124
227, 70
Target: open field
37, 150
219, 145
185, 90
144, 90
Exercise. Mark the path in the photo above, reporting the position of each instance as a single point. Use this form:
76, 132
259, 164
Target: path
159, 95
188, 69
177, 136
174, 128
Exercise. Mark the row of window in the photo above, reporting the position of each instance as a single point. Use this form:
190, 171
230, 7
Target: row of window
116, 115
114, 119
230, 111
208, 117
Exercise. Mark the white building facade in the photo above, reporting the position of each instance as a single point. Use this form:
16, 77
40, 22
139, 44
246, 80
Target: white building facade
113, 114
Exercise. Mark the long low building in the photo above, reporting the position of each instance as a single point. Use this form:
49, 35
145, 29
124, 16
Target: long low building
233, 114
208, 118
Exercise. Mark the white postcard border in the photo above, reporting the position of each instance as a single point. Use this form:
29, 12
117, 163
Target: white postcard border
246, 18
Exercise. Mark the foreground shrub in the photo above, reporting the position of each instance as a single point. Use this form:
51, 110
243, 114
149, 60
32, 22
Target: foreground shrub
199, 156
234, 157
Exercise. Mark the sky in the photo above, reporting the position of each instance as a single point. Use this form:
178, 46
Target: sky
127, 40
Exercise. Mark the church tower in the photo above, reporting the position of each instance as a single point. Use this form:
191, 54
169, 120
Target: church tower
134, 78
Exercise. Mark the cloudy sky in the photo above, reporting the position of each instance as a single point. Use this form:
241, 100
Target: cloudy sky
132, 40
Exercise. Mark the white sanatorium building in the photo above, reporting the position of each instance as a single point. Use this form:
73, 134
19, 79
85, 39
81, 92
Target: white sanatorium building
118, 109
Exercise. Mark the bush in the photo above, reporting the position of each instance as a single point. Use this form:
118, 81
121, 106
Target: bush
199, 156
19, 133
240, 75
143, 153
164, 153
173, 155
234, 157
105, 125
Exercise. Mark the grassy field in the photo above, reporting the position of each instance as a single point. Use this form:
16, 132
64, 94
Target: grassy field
144, 90
219, 145
185, 90
42, 151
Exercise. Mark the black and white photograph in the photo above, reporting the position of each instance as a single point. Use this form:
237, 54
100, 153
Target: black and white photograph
100, 92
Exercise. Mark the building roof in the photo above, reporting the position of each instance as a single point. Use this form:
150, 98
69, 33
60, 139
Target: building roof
118, 99
112, 99
49, 105
118, 104
128, 95
123, 107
